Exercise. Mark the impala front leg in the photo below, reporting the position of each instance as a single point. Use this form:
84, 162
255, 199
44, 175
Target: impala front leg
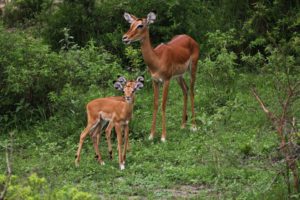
95, 138
119, 137
155, 107
126, 142
164, 104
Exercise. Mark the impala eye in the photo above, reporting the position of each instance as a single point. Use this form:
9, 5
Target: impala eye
140, 26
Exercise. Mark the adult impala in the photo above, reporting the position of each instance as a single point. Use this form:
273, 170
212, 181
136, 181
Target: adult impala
166, 61
116, 111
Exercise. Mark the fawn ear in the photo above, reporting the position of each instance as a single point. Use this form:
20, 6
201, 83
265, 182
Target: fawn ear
118, 85
129, 18
138, 86
140, 79
122, 80
151, 17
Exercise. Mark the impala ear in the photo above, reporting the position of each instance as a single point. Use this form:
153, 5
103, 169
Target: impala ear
129, 18
118, 85
138, 86
122, 80
151, 17
140, 79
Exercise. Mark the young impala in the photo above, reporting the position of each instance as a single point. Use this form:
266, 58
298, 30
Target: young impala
117, 112
166, 61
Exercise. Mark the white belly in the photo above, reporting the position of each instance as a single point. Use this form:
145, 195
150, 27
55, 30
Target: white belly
106, 116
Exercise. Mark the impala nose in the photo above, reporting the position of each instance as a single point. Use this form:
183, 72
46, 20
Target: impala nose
128, 99
125, 39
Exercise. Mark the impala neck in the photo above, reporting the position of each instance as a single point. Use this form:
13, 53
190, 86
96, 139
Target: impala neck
150, 57
129, 103
129, 107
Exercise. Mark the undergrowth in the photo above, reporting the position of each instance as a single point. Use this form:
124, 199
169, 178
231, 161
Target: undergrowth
233, 154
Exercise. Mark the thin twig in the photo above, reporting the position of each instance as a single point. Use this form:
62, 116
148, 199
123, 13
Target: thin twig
262, 105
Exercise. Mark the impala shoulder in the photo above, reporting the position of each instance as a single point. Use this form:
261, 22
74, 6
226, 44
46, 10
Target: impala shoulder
118, 98
117, 103
160, 48
180, 36
163, 49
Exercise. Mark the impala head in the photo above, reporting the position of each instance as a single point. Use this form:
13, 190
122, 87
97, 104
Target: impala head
129, 87
138, 27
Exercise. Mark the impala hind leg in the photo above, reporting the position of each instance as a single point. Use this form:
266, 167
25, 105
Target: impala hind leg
108, 138
83, 135
96, 139
155, 108
184, 89
102, 124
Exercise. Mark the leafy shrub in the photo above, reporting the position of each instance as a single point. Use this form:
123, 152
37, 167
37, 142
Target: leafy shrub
135, 59
35, 187
220, 64
253, 63
217, 41
219, 75
31, 72
223, 66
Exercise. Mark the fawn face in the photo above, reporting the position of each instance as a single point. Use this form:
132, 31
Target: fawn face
129, 87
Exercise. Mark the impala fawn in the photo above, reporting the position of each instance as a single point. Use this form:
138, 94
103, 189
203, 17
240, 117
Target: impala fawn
117, 112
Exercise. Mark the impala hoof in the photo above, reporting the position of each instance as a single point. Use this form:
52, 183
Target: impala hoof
163, 139
150, 137
122, 166
194, 128
76, 163
102, 163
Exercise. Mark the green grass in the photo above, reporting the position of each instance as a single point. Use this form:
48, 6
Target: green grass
224, 159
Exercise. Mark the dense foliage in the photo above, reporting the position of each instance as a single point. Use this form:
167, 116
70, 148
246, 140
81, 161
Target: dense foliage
55, 56
33, 76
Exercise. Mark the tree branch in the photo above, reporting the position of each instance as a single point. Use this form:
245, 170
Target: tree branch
272, 117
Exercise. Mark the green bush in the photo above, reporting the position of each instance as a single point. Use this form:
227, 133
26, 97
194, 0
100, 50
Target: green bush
218, 71
35, 187
135, 60
32, 74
